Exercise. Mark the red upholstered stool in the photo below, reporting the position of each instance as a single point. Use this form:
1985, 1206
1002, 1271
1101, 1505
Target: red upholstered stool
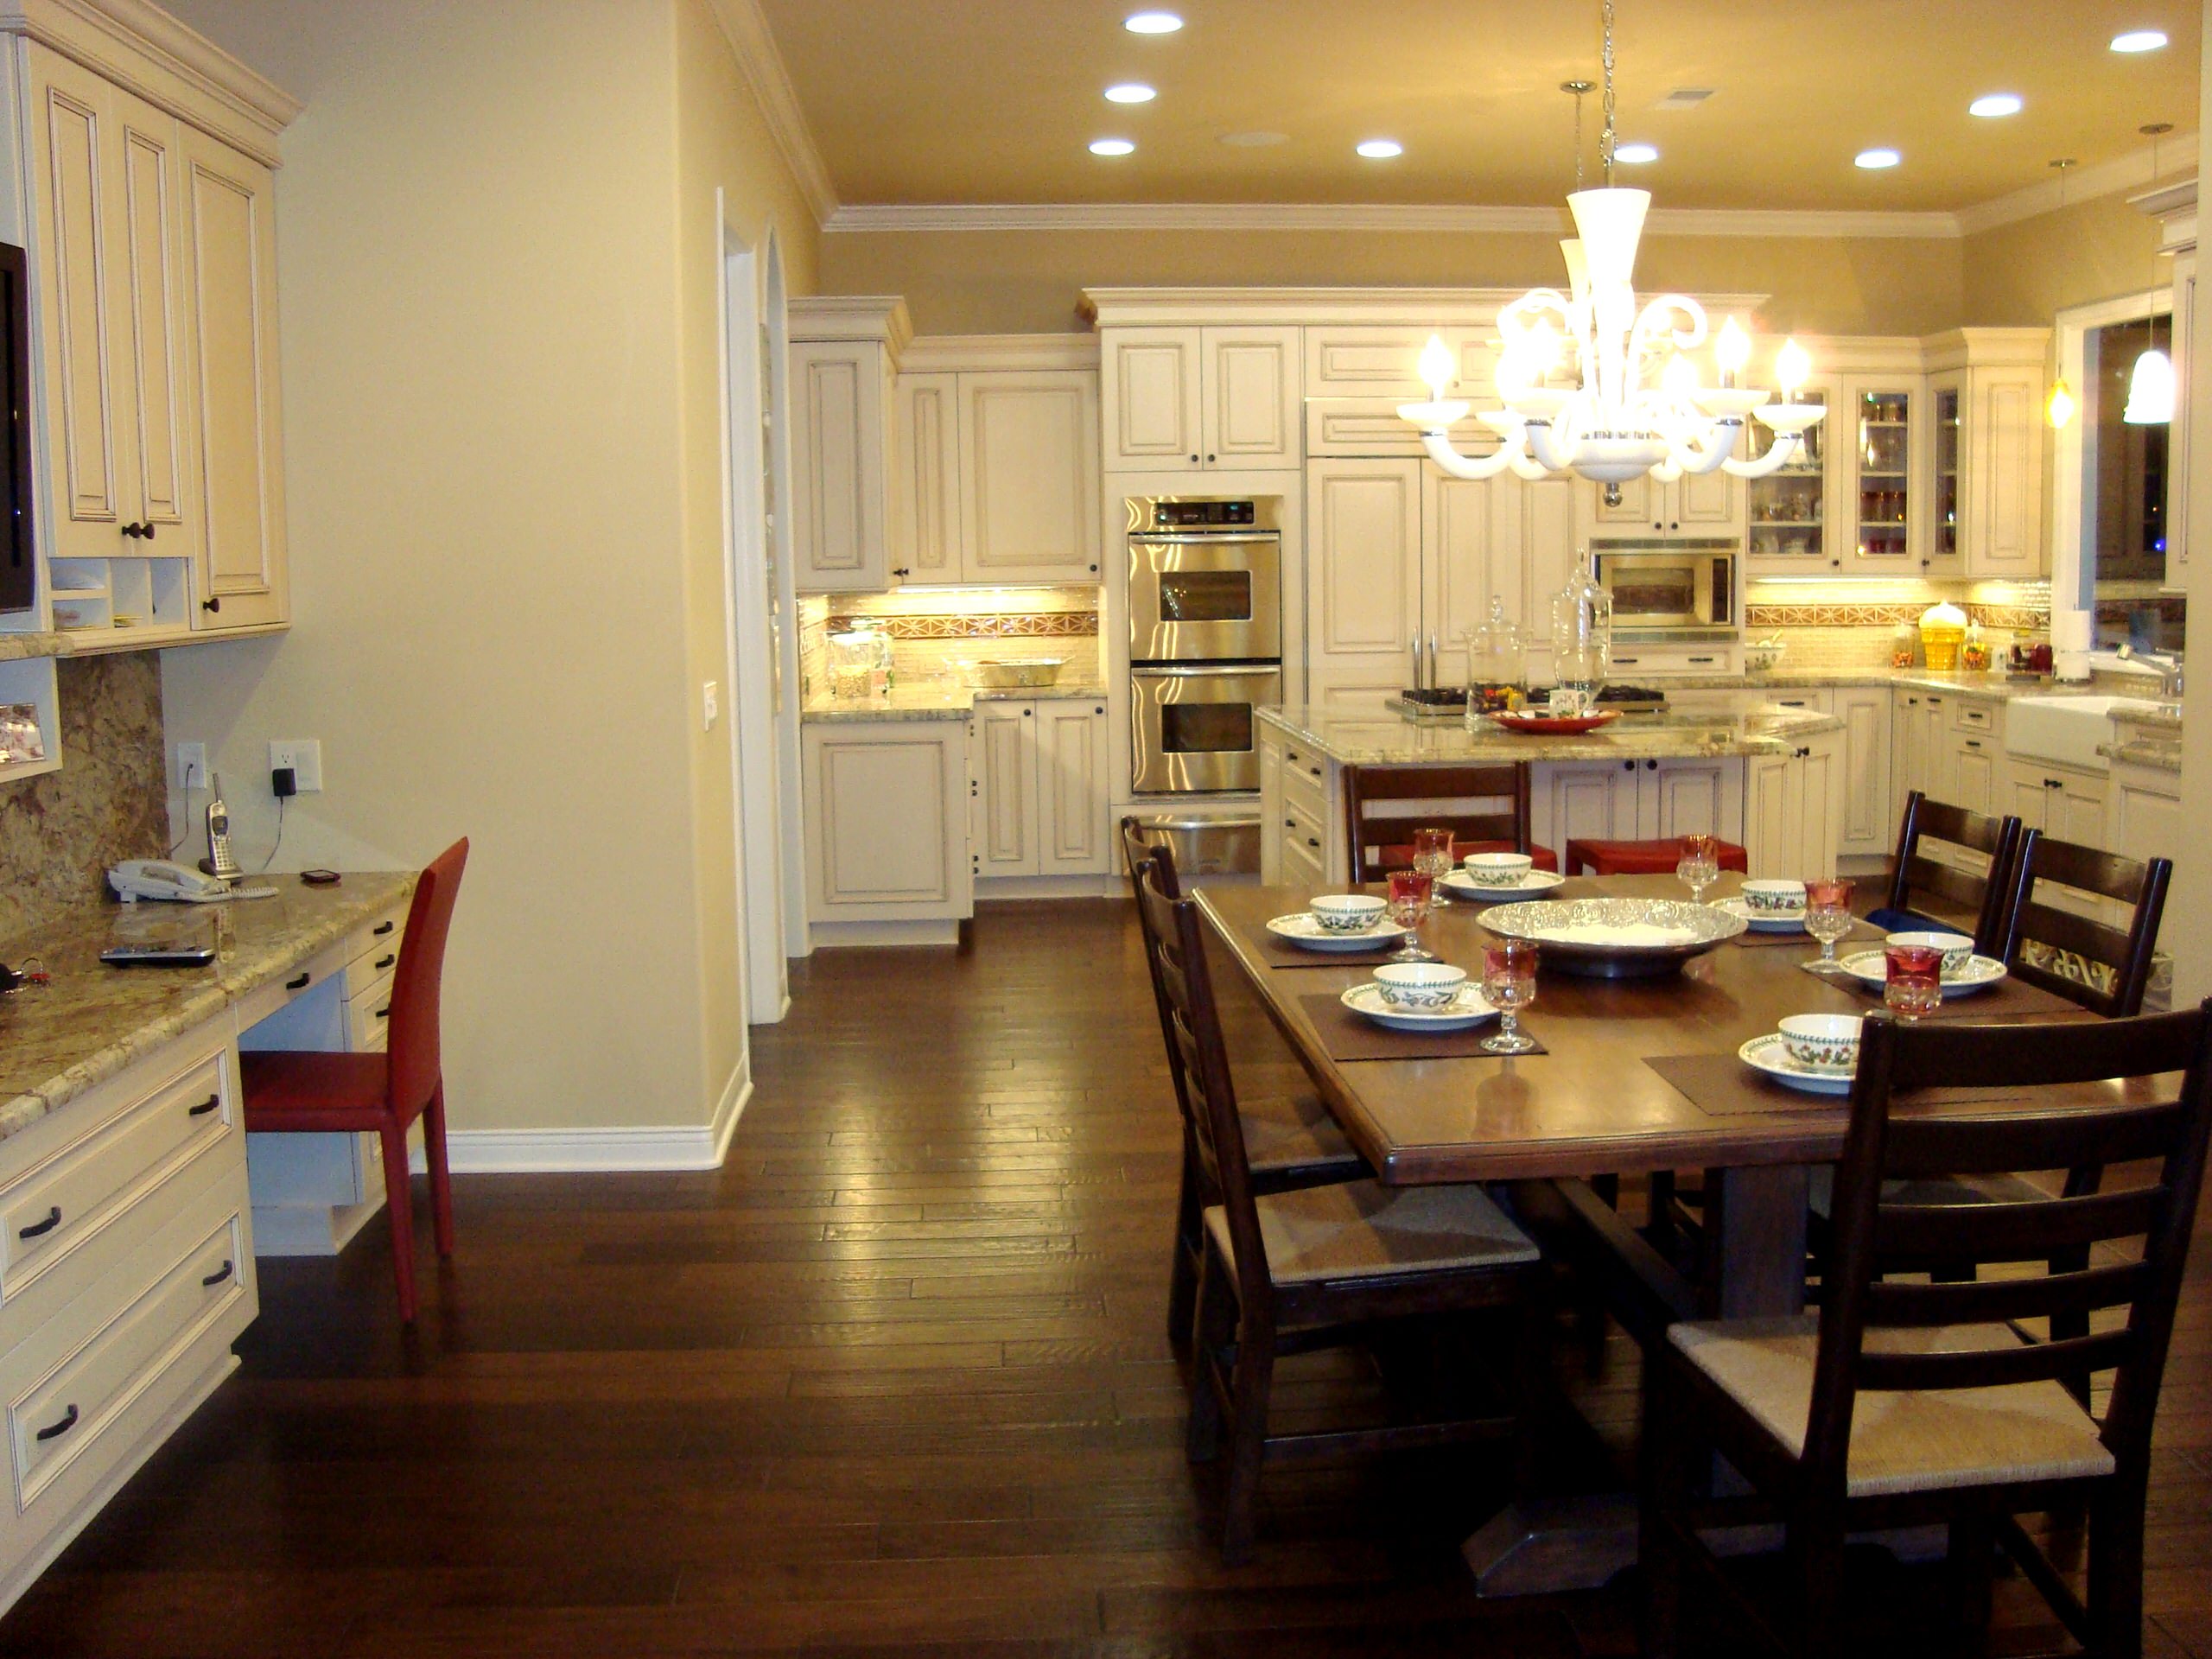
1643, 857
383, 1094
1402, 858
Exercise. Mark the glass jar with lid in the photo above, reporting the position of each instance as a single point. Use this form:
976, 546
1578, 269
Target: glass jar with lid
1497, 661
1582, 632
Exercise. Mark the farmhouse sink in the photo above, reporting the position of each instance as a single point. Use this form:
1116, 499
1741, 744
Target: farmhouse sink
2065, 730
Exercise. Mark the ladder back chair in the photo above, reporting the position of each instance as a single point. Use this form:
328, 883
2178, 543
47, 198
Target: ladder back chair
1291, 1138
1987, 896
1319, 1267
1902, 1402
2115, 961
1485, 808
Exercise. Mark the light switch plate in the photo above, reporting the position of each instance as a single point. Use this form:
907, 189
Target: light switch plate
304, 756
191, 766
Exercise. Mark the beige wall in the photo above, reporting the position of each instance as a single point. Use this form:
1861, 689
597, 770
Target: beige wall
494, 461
2025, 273
1023, 282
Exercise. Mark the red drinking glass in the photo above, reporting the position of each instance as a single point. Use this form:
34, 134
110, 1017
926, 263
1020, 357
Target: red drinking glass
1915, 985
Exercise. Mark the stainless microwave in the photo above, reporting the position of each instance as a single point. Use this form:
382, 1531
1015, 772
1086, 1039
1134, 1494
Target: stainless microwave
1669, 590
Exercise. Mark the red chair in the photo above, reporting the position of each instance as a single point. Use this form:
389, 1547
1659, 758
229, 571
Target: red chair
299, 1093
1644, 857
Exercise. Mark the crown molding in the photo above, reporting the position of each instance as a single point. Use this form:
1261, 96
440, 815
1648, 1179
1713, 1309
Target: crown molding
883, 318
2128, 172
746, 29
2174, 205
1367, 216
1415, 308
951, 353
138, 46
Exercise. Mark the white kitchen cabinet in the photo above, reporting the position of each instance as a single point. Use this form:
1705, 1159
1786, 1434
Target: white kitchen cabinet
2143, 815
1987, 392
841, 398
1793, 810
925, 487
1029, 477
1923, 752
1636, 800
1868, 829
1191, 399
155, 270
1793, 516
886, 819
1702, 507
2065, 803
1502, 538
1976, 767
1363, 580
1040, 789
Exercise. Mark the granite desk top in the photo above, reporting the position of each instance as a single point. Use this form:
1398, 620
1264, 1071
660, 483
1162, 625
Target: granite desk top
1368, 739
60, 1040
936, 701
2159, 754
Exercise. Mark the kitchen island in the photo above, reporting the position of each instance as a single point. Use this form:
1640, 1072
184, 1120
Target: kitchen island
1772, 782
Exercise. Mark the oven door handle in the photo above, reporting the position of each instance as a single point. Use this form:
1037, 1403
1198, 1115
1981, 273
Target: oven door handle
1167, 539
1210, 670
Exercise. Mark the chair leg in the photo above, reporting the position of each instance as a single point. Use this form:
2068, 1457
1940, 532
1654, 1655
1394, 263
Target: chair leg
1216, 1324
1816, 1553
1666, 1481
1248, 1433
2115, 1587
399, 1200
1973, 1546
1190, 1247
434, 1153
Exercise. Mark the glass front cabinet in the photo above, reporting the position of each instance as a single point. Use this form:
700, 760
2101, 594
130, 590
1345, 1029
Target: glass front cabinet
1878, 433
1788, 512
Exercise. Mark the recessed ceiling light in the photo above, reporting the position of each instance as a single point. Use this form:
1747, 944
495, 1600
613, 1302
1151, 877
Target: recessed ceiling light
1254, 140
1874, 159
1130, 93
2139, 40
1995, 104
1154, 22
1112, 147
1380, 149
1636, 155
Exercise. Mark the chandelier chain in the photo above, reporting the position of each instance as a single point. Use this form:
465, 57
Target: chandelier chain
1605, 144
1578, 141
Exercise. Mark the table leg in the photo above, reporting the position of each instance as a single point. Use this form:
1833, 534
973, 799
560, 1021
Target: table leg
1756, 1230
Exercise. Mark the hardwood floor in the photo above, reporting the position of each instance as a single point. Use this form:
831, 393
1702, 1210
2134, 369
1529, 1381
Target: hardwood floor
892, 1382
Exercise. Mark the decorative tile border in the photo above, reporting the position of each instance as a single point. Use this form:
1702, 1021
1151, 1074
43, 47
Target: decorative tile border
2017, 618
1047, 624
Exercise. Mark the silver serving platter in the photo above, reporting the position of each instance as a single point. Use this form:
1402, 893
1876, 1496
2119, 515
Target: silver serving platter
1543, 920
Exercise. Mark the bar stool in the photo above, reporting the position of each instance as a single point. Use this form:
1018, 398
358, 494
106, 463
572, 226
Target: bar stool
296, 1091
1644, 857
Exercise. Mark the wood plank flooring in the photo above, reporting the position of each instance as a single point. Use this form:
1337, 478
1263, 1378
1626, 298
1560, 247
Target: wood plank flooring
892, 1383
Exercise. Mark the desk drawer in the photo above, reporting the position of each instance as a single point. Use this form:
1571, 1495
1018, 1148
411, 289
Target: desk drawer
368, 1014
372, 965
1305, 836
54, 1207
1974, 717
1305, 782
65, 1415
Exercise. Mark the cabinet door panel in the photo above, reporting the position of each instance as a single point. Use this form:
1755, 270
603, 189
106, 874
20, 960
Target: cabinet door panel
151, 215
1028, 454
1150, 387
1364, 529
1819, 830
230, 287
1710, 503
1974, 774
1688, 798
1868, 817
1578, 802
837, 466
1469, 551
1006, 780
886, 817
1641, 506
1774, 816
925, 485
2005, 538
1251, 384
1071, 791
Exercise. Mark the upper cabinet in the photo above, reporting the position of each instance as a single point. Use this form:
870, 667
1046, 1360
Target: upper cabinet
1028, 482
1694, 507
845, 360
152, 232
1192, 400
1987, 385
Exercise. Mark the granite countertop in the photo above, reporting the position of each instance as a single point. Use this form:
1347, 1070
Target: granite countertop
1366, 739
2160, 754
2161, 719
930, 700
15, 647
59, 1040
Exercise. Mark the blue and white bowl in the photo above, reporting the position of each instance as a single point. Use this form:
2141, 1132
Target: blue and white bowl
1347, 912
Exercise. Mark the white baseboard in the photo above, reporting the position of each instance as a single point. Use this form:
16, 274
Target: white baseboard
605, 1151
991, 889
829, 936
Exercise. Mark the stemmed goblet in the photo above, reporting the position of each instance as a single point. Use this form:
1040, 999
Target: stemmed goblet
1509, 982
1827, 918
1699, 867
1433, 856
1410, 892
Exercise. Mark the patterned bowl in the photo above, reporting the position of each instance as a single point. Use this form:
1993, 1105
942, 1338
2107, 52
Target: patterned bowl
1771, 896
1347, 912
1499, 869
1420, 984
1957, 948
1829, 1041
1615, 938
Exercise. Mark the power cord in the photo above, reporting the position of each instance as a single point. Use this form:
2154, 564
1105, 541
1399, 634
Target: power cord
187, 835
272, 859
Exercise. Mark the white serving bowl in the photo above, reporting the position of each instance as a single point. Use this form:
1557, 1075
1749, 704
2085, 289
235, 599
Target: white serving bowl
1829, 1041
1499, 869
1768, 897
1347, 912
1420, 984
1956, 947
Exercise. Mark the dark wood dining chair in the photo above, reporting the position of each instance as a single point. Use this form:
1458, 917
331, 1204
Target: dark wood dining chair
1909, 1402
1916, 879
2105, 969
298, 1092
1485, 808
1322, 1266
1291, 1140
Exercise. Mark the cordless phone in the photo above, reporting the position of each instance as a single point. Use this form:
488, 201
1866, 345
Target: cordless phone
219, 862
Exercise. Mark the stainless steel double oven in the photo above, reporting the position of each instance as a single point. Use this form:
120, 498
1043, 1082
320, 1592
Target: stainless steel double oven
1205, 639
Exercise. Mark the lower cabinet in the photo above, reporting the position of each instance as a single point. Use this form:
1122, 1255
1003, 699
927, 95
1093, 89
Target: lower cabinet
886, 815
2066, 804
1792, 809
1635, 800
1868, 827
1039, 788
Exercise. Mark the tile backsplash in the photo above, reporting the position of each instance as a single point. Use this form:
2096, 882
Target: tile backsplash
934, 631
59, 832
1848, 623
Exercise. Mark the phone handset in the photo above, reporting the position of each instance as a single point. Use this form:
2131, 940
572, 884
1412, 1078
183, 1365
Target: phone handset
219, 862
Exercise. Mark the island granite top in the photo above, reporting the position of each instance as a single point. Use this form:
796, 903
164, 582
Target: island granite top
1382, 740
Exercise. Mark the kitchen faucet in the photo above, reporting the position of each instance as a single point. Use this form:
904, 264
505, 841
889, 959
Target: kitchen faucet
2168, 664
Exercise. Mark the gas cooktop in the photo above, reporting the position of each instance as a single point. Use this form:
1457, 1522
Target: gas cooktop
1449, 702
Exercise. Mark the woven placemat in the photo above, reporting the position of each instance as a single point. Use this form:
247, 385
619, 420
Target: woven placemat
1721, 1085
1348, 1036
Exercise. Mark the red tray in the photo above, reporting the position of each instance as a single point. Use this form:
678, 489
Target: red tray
1556, 725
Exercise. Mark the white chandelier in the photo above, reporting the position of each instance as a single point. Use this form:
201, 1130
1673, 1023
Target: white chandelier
1639, 404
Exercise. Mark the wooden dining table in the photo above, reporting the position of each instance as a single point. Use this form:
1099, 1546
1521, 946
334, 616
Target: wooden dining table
1590, 1106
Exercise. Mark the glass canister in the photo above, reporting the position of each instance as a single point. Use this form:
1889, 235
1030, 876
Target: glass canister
1497, 661
1582, 632
859, 664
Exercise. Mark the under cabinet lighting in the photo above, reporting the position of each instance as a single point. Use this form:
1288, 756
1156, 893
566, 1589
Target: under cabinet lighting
1380, 149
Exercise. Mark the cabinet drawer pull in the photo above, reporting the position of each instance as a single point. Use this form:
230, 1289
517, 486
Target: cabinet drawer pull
1628, 765
219, 1275
384, 962
385, 1013
1651, 765
212, 604
1705, 659
1311, 842
1290, 823
381, 929
1316, 771
299, 984
1973, 742
58, 1429
40, 1228
204, 1107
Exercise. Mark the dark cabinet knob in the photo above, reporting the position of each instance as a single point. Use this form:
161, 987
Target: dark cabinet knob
1209, 461
142, 532
1194, 461
902, 571
1651, 765
213, 603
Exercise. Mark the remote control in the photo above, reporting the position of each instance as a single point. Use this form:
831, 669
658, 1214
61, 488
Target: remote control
158, 956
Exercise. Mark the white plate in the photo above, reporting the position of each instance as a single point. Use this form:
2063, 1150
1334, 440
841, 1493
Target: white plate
1871, 970
1768, 1055
1301, 929
1533, 885
1469, 1008
1764, 921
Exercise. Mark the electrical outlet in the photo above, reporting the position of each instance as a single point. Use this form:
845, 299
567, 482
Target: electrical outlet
711, 709
304, 756
191, 766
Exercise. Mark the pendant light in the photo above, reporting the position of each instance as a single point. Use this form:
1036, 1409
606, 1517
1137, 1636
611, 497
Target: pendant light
2150, 386
2058, 408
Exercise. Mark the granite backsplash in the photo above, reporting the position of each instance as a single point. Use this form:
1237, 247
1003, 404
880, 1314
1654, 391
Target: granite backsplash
59, 832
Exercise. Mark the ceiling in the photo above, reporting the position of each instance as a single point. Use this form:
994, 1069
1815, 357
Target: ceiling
996, 101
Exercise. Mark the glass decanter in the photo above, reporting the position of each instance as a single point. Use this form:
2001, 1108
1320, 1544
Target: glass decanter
1497, 663
1582, 633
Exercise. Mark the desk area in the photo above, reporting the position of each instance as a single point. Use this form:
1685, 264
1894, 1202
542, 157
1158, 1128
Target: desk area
126, 1225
